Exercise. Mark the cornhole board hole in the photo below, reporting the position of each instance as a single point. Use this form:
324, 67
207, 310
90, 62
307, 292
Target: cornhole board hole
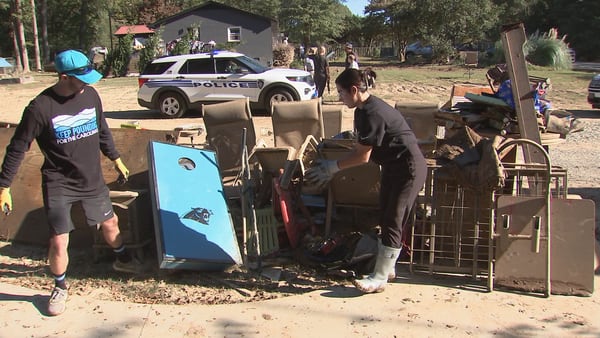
193, 227
571, 248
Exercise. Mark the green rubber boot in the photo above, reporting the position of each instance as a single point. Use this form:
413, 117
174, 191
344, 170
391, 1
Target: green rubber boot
385, 266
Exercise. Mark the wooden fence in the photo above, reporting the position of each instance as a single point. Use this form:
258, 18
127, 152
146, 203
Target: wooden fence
340, 53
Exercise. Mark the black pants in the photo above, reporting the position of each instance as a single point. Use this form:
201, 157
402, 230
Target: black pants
320, 82
400, 184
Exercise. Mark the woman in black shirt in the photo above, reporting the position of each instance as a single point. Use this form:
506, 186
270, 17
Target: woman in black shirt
385, 138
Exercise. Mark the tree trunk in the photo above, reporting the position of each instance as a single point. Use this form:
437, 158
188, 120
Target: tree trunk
36, 42
13, 35
44, 22
21, 36
83, 28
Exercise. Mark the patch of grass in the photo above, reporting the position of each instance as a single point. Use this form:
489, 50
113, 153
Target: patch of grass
563, 79
390, 72
118, 82
429, 73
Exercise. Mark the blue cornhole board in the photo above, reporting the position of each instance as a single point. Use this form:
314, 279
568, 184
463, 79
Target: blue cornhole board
192, 223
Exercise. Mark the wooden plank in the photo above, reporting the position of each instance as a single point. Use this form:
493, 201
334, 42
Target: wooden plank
513, 39
460, 89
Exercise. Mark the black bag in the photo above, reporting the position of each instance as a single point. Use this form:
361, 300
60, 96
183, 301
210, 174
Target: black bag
356, 252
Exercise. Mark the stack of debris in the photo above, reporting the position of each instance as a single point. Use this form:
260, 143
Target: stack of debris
490, 110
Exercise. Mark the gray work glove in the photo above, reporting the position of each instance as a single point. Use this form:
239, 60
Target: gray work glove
321, 173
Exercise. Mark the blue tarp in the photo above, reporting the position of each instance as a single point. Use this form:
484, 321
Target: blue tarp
4, 63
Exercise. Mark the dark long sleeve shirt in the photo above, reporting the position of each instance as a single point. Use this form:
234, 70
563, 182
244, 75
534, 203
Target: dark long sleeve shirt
71, 132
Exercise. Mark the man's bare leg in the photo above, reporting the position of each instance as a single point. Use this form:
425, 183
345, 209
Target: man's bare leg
112, 236
58, 258
111, 232
58, 255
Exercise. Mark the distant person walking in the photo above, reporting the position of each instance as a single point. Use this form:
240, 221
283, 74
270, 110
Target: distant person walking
309, 62
350, 56
352, 61
321, 70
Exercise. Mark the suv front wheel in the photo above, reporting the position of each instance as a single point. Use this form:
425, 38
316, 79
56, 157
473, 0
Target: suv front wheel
172, 105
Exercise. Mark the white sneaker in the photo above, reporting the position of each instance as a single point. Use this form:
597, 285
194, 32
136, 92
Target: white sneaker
58, 301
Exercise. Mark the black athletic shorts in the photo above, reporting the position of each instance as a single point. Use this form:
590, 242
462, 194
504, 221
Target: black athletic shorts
58, 203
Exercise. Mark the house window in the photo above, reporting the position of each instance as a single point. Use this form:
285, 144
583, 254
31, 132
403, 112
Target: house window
234, 34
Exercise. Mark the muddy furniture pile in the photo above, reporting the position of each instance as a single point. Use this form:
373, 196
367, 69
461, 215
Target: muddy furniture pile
494, 207
259, 185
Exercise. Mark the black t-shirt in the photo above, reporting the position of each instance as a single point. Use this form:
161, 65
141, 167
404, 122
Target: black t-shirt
71, 132
321, 65
384, 128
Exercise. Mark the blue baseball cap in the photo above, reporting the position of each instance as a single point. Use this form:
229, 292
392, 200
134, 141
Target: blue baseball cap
75, 63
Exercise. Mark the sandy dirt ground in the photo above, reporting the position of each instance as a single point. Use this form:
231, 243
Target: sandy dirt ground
570, 315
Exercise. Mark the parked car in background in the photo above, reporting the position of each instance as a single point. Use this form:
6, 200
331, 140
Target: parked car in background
174, 84
572, 54
486, 48
416, 49
594, 91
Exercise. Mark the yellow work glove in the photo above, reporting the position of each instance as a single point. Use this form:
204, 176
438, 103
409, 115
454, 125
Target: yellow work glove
122, 169
5, 200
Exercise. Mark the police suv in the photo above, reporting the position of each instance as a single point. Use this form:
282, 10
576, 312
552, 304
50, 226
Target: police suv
175, 84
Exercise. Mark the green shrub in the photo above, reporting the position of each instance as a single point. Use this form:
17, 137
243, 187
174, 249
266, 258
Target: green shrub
297, 64
118, 58
181, 47
497, 55
283, 55
376, 52
151, 50
548, 50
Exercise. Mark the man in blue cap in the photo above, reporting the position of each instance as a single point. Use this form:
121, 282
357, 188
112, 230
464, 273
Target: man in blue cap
68, 123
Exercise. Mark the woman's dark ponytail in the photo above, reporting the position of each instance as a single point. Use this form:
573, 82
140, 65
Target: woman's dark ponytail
352, 77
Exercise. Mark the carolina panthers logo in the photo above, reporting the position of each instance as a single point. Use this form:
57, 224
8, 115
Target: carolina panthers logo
200, 215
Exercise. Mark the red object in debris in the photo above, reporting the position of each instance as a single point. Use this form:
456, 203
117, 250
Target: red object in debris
293, 228
328, 246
